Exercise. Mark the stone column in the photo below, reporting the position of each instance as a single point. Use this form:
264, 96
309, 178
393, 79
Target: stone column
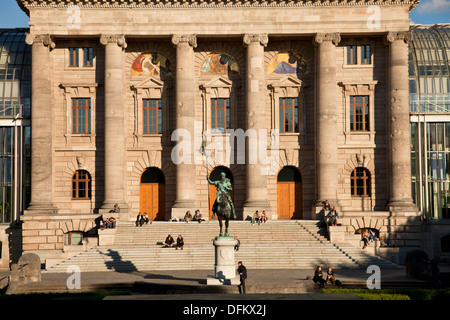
399, 125
255, 120
115, 124
326, 119
41, 128
186, 197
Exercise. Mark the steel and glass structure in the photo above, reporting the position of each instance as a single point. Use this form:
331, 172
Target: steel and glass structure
429, 83
15, 99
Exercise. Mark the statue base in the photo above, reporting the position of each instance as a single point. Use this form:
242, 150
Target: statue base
224, 267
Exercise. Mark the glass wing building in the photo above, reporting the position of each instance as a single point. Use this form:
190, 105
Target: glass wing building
15, 96
429, 70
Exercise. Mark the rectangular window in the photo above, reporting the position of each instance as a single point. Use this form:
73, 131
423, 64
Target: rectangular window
220, 115
73, 57
351, 55
359, 113
365, 54
288, 115
88, 57
152, 116
81, 115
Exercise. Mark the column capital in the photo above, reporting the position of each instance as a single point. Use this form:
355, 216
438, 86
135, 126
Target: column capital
262, 38
45, 39
190, 39
334, 37
118, 39
404, 36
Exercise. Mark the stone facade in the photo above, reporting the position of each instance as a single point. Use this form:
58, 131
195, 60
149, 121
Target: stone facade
116, 152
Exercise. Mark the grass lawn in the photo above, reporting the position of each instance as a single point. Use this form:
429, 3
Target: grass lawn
395, 294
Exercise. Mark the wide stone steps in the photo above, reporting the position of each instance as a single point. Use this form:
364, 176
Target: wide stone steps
276, 244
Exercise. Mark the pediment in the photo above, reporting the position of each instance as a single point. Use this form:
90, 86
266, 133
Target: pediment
287, 81
218, 82
150, 82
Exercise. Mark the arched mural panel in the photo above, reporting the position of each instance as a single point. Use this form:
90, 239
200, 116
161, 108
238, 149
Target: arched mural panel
151, 63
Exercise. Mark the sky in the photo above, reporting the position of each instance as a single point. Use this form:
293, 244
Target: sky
427, 12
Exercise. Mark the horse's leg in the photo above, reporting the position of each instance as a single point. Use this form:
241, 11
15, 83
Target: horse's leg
226, 227
220, 224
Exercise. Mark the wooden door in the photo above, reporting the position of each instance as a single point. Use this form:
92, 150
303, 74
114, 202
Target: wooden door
290, 200
152, 200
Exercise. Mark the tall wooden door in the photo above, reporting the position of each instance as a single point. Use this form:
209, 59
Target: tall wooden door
215, 176
289, 194
152, 194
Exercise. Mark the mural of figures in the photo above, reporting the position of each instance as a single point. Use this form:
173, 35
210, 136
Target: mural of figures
288, 62
219, 63
151, 63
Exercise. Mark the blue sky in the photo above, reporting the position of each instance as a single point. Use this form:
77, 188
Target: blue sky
427, 12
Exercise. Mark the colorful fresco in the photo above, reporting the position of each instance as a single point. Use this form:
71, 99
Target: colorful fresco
151, 63
288, 62
219, 63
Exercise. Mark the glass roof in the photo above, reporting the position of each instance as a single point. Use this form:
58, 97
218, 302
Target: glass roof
15, 73
429, 68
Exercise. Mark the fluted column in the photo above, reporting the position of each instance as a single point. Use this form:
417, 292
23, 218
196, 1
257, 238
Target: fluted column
114, 126
41, 128
399, 125
256, 182
186, 197
326, 118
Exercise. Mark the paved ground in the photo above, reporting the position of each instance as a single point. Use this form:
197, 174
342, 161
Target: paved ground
267, 279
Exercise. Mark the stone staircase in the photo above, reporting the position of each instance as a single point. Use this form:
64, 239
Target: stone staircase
294, 244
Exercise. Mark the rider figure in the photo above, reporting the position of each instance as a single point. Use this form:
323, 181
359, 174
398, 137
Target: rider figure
223, 190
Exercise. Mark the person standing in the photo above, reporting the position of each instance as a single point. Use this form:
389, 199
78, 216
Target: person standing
242, 271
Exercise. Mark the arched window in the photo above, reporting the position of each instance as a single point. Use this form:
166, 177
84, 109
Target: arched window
360, 182
81, 185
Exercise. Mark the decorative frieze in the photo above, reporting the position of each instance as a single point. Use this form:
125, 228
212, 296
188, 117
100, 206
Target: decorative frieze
26, 4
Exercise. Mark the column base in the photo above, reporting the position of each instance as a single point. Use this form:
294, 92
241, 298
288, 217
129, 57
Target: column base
180, 207
401, 205
250, 207
107, 209
41, 208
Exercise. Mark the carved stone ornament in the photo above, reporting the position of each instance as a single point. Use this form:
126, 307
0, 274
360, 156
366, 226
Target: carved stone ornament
45, 39
335, 38
25, 4
119, 39
190, 39
360, 159
262, 38
405, 36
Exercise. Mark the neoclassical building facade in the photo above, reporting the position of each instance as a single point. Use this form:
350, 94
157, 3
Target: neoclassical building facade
296, 102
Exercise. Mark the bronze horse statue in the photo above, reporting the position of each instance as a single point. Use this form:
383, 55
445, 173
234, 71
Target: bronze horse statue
223, 206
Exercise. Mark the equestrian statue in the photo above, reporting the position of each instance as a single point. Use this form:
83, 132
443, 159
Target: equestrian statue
223, 206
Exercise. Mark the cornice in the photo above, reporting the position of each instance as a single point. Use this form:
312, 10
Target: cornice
154, 4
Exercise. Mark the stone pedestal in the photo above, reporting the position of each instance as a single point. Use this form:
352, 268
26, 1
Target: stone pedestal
224, 267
